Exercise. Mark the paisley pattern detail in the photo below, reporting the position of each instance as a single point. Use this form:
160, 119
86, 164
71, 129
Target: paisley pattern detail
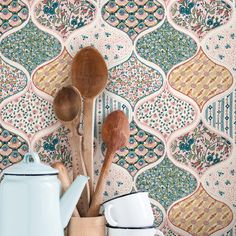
222, 46
55, 147
168, 232
221, 182
105, 104
12, 14
51, 77
165, 113
200, 17
12, 80
166, 47
166, 183
201, 79
30, 47
134, 80
200, 214
158, 214
12, 148
133, 17
29, 113
111, 43
201, 148
222, 115
142, 150
64, 16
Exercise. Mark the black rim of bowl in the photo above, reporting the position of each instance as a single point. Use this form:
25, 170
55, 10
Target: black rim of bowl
117, 227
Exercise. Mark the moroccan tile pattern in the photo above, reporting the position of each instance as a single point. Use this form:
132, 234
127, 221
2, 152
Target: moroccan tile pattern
199, 166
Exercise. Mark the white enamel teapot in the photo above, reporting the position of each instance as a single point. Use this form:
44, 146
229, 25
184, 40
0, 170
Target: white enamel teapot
30, 203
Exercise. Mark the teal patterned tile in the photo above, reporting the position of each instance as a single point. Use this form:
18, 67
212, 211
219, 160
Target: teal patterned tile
133, 80
133, 17
200, 17
166, 47
166, 183
12, 80
13, 13
201, 148
222, 115
63, 16
12, 148
158, 214
30, 47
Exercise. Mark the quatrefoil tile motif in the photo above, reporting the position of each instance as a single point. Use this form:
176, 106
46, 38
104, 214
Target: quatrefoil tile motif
29, 113
30, 46
54, 147
166, 47
133, 17
200, 214
222, 114
64, 16
201, 79
134, 80
143, 149
166, 183
114, 45
12, 80
200, 17
165, 113
12, 148
52, 76
201, 148
12, 14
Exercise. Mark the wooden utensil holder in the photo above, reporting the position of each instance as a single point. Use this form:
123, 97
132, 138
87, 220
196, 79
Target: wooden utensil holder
87, 226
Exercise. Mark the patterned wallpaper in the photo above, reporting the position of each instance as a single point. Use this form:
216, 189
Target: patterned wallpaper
172, 70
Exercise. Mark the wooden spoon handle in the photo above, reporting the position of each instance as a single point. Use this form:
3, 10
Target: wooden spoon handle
88, 140
101, 184
63, 176
79, 168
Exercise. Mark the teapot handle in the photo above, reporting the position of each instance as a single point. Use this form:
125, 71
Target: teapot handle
32, 155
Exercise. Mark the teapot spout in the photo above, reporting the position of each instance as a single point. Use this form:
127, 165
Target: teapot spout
70, 199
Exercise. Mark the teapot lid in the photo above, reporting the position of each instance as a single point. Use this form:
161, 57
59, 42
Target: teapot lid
30, 166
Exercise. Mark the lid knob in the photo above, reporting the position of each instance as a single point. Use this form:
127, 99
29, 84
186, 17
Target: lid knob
31, 156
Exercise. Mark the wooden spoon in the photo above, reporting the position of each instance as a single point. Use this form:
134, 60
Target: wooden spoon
63, 176
115, 134
67, 107
89, 75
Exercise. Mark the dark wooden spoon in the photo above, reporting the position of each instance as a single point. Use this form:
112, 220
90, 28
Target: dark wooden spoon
115, 134
89, 75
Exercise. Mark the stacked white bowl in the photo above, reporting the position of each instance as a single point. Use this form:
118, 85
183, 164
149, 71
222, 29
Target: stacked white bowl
130, 215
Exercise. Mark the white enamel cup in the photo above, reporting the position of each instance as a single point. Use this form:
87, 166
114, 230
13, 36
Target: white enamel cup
130, 210
146, 231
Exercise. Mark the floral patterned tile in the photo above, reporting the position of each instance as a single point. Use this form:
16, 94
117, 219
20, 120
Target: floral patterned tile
133, 17
201, 148
13, 13
64, 16
111, 43
12, 80
167, 231
158, 215
55, 147
222, 114
52, 76
200, 214
200, 17
166, 47
165, 113
105, 104
12, 148
220, 182
30, 47
201, 79
221, 45
143, 149
29, 113
134, 80
166, 183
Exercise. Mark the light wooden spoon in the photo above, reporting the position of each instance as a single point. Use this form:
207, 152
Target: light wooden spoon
89, 75
115, 134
